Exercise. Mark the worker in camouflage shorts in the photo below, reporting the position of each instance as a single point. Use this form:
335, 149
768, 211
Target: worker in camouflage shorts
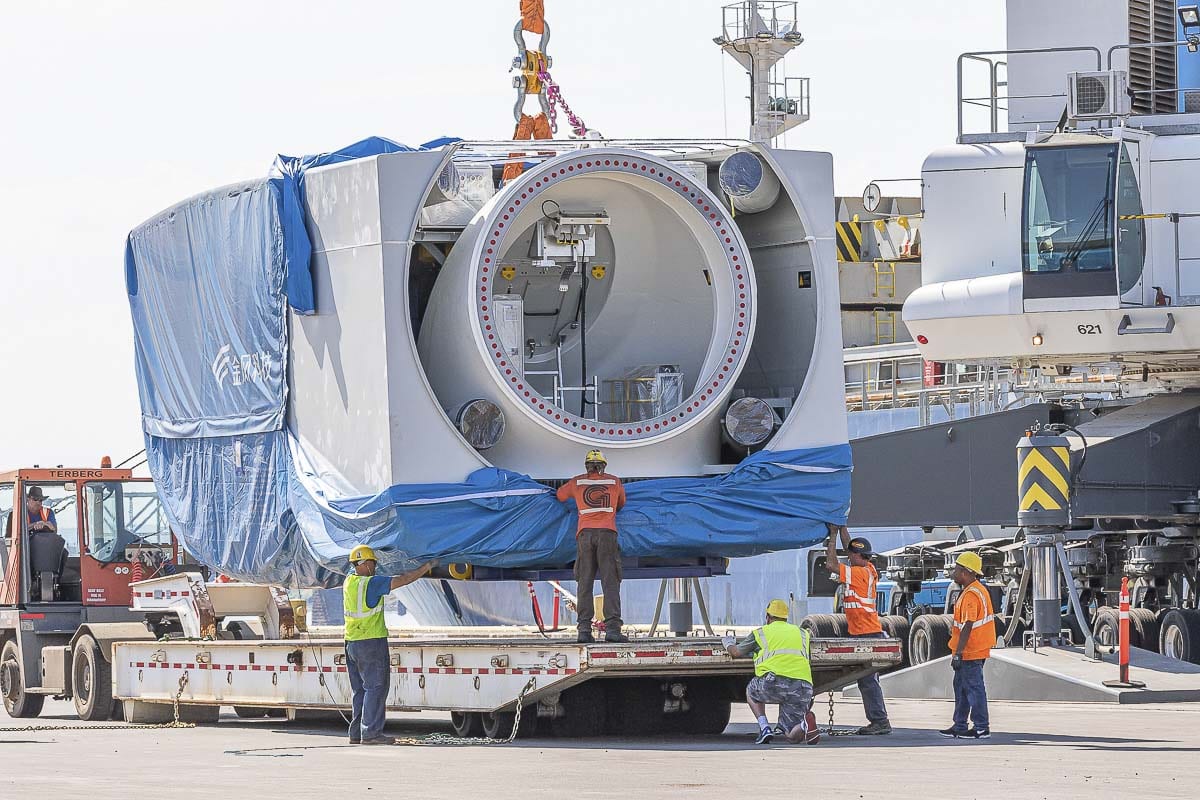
782, 676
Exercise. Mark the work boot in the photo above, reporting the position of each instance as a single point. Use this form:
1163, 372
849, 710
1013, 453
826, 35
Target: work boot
615, 636
881, 728
379, 740
585, 637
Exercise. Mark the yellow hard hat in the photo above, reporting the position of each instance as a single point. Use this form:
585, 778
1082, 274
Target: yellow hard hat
362, 553
777, 609
971, 561
595, 457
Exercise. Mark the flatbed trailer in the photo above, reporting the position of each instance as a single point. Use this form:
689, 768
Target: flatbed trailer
681, 685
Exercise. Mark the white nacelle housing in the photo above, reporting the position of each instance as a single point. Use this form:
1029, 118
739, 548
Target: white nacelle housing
603, 298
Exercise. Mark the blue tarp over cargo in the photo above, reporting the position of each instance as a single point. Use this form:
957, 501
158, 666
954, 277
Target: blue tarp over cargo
211, 282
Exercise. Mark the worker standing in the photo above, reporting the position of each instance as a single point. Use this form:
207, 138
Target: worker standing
970, 645
367, 662
859, 577
598, 497
782, 675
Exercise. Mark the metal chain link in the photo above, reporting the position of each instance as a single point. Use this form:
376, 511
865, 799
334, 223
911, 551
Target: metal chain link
447, 739
116, 726
555, 98
832, 731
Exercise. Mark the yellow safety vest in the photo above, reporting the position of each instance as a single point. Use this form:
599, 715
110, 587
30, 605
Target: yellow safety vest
783, 649
362, 622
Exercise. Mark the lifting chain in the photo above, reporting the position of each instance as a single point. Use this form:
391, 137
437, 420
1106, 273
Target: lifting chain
832, 731
447, 739
116, 726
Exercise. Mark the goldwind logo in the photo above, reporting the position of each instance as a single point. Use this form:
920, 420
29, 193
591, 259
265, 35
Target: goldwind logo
239, 369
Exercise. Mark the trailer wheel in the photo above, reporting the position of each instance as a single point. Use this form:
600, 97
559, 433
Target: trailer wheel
467, 725
1144, 627
1180, 635
18, 702
585, 708
709, 714
826, 626
898, 627
499, 724
91, 681
249, 712
929, 638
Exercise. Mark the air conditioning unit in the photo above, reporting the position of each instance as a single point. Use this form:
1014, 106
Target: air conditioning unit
1097, 95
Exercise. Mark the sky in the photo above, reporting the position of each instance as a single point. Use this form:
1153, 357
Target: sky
111, 111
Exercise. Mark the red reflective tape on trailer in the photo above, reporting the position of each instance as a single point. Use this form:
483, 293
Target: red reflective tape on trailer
139, 665
516, 672
602, 655
32, 616
537, 672
570, 671
311, 669
434, 670
179, 666
698, 652
892, 649
243, 667
270, 667
341, 669
402, 670
650, 654
839, 649
483, 672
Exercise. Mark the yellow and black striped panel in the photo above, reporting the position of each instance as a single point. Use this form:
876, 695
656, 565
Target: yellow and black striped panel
1043, 478
849, 241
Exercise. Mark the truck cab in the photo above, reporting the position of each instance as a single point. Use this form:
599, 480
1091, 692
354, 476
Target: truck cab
65, 593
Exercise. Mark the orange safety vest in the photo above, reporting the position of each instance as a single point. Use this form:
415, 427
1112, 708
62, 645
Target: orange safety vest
859, 598
974, 605
598, 498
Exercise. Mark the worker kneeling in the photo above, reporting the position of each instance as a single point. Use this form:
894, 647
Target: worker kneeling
782, 676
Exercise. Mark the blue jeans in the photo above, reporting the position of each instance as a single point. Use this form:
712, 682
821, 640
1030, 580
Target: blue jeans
970, 696
370, 678
872, 692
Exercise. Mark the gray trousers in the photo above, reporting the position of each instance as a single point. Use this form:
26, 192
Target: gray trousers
598, 551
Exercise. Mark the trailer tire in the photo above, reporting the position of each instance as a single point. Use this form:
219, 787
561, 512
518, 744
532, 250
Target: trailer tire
249, 712
466, 724
19, 703
1180, 635
91, 681
1106, 627
929, 638
898, 627
585, 712
499, 724
826, 626
1147, 624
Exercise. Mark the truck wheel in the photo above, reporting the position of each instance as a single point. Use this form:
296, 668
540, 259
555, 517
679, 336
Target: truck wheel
1144, 626
1106, 626
499, 725
929, 638
585, 709
898, 627
823, 626
17, 702
91, 681
1180, 635
249, 712
635, 707
709, 715
467, 725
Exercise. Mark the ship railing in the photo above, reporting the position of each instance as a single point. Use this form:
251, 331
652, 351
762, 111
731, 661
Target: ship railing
753, 18
996, 99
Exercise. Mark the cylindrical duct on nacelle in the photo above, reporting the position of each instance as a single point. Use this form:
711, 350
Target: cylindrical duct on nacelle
751, 186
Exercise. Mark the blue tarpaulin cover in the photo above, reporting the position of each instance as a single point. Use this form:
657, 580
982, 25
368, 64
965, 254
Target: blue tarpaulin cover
210, 284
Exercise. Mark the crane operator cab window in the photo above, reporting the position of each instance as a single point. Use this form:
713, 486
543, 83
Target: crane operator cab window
52, 542
125, 520
1076, 243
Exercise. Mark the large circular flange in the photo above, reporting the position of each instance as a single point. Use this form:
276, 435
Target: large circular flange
712, 388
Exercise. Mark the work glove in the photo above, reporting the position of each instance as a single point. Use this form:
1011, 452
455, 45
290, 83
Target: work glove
727, 641
955, 662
